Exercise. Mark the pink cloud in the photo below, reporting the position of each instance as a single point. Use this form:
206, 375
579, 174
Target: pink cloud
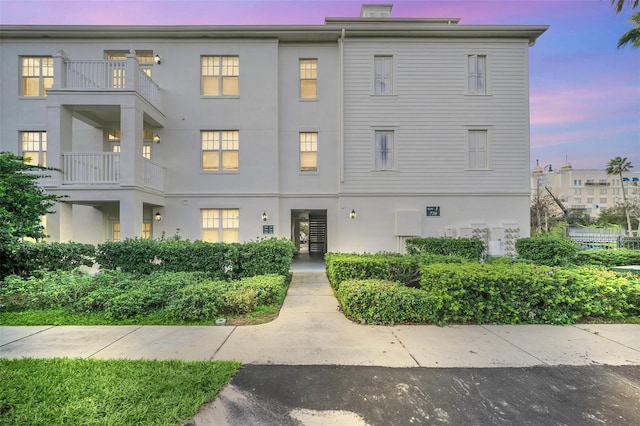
560, 137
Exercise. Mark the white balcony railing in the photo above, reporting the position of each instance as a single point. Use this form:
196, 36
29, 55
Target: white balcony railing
103, 168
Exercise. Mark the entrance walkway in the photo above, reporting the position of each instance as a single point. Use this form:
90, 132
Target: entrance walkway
310, 330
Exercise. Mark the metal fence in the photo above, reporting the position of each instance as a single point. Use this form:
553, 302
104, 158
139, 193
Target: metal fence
604, 240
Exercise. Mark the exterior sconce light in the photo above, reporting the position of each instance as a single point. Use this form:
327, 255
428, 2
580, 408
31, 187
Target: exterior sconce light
264, 216
156, 138
158, 217
157, 59
352, 215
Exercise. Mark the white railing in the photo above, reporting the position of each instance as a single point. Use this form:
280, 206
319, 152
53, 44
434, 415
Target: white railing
152, 175
89, 168
149, 89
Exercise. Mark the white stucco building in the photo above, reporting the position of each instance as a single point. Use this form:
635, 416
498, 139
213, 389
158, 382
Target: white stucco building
369, 129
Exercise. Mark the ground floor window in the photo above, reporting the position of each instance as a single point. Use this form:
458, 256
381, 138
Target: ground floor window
221, 225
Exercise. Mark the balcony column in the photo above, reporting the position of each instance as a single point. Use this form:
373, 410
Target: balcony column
132, 71
59, 225
59, 140
59, 69
131, 160
131, 212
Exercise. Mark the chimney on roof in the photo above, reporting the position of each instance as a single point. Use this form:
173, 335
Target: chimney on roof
375, 10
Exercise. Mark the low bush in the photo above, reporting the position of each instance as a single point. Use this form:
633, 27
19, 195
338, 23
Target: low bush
469, 248
620, 257
547, 250
201, 301
30, 257
385, 302
382, 266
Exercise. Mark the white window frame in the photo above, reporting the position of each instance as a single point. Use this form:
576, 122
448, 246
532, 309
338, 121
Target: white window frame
220, 138
37, 144
383, 75
477, 149
382, 162
220, 219
222, 67
41, 71
474, 75
308, 144
307, 74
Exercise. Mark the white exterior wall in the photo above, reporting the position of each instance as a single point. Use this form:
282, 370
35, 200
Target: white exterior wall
429, 110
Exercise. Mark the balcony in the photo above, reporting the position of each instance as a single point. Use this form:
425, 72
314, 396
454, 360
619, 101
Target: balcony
599, 183
103, 168
104, 75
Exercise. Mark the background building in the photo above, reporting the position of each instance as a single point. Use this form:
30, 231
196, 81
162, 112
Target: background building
363, 131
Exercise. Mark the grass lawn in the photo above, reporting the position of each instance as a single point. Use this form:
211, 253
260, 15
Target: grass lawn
64, 391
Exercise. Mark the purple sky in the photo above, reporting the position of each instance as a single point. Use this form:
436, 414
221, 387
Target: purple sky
585, 93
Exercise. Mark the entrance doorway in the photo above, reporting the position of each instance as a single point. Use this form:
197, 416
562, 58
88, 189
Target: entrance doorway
309, 230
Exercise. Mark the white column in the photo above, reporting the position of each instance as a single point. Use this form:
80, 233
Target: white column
131, 162
59, 140
60, 224
131, 213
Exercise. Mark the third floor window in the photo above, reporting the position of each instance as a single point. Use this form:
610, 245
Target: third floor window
220, 75
37, 75
308, 78
477, 72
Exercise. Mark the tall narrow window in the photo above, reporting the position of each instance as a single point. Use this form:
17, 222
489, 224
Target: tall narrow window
477, 65
308, 78
115, 231
221, 225
383, 75
478, 157
308, 151
37, 75
220, 75
384, 150
220, 150
34, 148
146, 229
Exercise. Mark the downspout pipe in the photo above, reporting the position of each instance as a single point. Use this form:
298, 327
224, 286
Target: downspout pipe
341, 109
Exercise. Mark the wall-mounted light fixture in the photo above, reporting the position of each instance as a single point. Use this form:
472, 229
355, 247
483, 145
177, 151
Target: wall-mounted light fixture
264, 216
157, 59
157, 217
352, 215
156, 138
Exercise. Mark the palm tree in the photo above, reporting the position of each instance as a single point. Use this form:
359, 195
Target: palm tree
617, 166
619, 4
633, 35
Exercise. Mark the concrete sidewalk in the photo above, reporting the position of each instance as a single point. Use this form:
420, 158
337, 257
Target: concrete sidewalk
311, 331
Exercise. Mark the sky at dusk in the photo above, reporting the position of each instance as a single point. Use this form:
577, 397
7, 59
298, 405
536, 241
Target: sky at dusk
585, 93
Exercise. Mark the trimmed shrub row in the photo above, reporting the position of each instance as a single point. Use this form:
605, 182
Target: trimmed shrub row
188, 296
619, 257
469, 248
547, 250
29, 257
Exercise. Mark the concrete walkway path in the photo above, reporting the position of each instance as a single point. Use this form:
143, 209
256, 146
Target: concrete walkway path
311, 331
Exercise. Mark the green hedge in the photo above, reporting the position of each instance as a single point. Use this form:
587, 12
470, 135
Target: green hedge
522, 293
29, 257
469, 248
385, 302
382, 266
619, 257
547, 250
217, 260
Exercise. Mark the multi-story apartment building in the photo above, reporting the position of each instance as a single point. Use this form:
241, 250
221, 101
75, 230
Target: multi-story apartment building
589, 190
366, 130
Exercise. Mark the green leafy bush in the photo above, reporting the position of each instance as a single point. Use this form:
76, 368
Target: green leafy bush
28, 257
547, 250
620, 257
385, 302
469, 248
382, 266
195, 302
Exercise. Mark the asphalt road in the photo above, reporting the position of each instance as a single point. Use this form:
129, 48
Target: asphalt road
354, 396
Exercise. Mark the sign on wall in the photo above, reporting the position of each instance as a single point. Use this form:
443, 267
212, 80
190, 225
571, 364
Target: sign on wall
433, 211
267, 229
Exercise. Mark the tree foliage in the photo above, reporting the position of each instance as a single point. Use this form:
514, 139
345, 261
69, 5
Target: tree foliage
617, 166
22, 200
632, 36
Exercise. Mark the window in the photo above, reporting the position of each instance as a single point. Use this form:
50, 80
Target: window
145, 60
34, 148
221, 225
477, 74
220, 75
146, 229
589, 191
308, 78
114, 140
577, 191
115, 231
577, 182
603, 200
603, 191
308, 151
478, 156
220, 150
577, 200
384, 150
383, 75
37, 75
589, 200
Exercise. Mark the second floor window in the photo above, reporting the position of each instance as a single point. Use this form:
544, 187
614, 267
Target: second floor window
147, 136
384, 150
220, 150
308, 78
477, 65
383, 75
37, 75
308, 152
220, 75
34, 148
478, 152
